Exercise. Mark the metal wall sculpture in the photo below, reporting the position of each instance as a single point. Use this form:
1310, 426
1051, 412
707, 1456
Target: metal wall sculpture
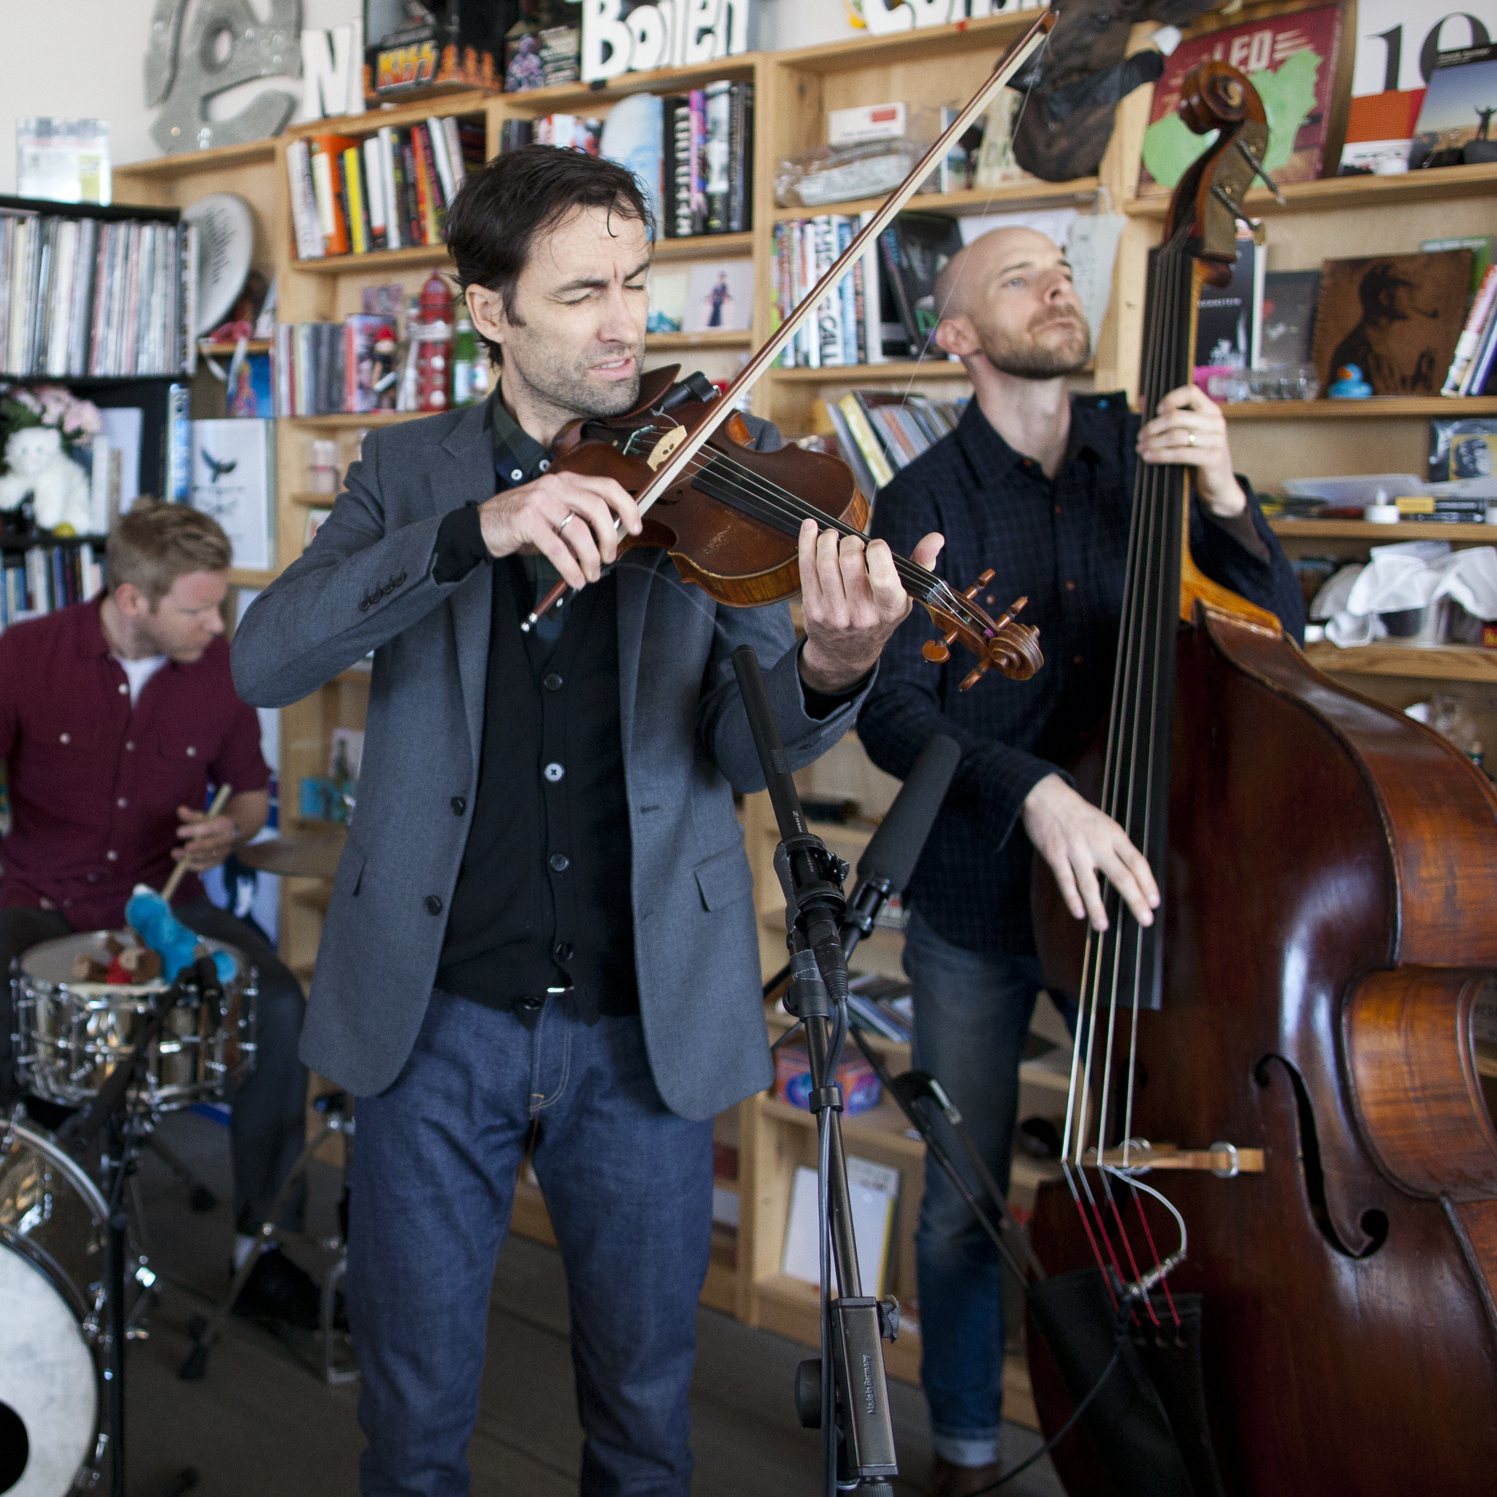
226, 44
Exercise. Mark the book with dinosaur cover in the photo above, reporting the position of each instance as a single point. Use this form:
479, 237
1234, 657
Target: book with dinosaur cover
1293, 61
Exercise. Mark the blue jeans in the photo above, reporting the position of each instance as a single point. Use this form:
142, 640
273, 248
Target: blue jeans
972, 1013
629, 1188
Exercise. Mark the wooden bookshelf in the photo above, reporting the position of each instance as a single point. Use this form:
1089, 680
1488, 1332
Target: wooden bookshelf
1442, 663
974, 201
1293, 531
1441, 183
1378, 408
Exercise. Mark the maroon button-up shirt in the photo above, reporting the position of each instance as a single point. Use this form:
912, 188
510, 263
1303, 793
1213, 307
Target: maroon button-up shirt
95, 784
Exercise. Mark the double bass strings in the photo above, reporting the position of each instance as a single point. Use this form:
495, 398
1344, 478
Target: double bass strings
1128, 779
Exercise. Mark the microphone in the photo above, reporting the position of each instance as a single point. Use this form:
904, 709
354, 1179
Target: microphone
894, 849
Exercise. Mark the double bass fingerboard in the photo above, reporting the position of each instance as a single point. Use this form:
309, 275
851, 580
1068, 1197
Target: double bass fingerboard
1125, 962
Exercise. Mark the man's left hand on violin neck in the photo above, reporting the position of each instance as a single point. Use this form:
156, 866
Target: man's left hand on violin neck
852, 600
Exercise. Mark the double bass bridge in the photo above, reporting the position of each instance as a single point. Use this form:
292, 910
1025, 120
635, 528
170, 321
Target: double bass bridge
1224, 1160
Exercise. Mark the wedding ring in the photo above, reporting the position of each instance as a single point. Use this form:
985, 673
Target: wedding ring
1190, 439
573, 516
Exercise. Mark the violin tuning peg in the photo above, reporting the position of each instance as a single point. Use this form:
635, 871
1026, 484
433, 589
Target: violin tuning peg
973, 676
935, 651
981, 583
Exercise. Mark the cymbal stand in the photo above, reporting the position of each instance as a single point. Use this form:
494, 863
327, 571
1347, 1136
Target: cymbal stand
111, 1115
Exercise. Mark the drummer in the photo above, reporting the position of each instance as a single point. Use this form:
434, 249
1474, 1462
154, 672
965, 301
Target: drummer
116, 716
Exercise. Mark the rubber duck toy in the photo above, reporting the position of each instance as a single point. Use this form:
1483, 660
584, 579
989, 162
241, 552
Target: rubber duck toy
1349, 384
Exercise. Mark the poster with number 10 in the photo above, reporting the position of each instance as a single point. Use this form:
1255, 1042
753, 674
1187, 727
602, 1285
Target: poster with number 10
1397, 42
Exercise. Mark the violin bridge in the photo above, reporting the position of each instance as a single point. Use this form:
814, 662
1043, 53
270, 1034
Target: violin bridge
665, 446
1223, 1160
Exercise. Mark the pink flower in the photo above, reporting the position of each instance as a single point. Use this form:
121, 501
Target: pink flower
54, 403
82, 418
26, 398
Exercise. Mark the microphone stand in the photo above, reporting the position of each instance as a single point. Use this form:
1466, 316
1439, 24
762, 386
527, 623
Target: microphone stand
109, 1114
851, 1405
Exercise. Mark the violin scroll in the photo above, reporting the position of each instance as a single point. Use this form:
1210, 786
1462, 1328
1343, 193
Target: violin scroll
1013, 648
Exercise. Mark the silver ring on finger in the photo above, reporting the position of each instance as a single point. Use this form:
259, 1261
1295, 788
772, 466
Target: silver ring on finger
566, 522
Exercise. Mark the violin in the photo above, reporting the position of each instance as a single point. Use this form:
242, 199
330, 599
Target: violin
1272, 1258
732, 519
730, 516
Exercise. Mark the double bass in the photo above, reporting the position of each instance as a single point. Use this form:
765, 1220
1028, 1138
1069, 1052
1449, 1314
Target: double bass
1280, 1173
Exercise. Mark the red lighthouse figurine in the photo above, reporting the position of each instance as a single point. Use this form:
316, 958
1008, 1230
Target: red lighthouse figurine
433, 337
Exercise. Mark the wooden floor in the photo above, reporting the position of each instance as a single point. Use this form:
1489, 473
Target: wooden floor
262, 1424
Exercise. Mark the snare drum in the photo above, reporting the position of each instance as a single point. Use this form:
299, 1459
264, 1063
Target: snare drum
52, 1256
70, 1034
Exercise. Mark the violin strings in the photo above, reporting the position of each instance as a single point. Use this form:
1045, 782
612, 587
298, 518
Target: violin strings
771, 503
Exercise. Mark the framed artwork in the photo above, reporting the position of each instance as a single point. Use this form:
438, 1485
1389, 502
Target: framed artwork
1396, 317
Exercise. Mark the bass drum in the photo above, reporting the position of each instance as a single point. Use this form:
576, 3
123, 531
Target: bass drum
52, 1254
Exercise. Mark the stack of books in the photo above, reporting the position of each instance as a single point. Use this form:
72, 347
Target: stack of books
391, 190
331, 368
705, 155
86, 296
879, 433
846, 328
707, 166
49, 575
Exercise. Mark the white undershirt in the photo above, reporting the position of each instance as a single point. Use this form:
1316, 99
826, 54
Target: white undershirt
138, 672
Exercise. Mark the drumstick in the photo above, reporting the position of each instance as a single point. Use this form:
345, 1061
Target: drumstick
220, 800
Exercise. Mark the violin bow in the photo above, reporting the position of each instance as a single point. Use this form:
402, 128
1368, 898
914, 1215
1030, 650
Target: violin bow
674, 467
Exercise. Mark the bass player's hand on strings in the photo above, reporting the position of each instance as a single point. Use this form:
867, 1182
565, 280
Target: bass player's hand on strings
568, 517
852, 600
1079, 841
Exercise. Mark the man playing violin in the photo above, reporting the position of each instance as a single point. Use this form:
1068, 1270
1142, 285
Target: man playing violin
1037, 484
542, 936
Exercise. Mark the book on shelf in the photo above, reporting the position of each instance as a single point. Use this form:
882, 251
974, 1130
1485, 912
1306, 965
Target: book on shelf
233, 479
707, 160
855, 322
1457, 108
82, 296
388, 190
1462, 448
1287, 324
334, 368
1295, 61
915, 249
873, 1192
1464, 361
1229, 318
1398, 318
47, 574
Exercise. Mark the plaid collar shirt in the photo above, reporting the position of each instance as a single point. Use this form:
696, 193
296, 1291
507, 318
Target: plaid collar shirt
1061, 542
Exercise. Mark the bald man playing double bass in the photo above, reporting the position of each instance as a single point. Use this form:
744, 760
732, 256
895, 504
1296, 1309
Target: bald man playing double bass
1035, 483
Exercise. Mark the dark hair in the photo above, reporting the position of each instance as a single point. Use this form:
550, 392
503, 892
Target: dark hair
500, 210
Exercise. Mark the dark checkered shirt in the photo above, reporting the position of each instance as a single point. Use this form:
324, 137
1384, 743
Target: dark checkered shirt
1063, 544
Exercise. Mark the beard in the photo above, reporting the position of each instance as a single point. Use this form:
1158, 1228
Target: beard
566, 387
1024, 357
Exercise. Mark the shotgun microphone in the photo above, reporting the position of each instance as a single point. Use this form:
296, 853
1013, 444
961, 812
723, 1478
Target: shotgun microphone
894, 849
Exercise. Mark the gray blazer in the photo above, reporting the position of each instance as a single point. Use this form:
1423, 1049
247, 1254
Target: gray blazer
365, 584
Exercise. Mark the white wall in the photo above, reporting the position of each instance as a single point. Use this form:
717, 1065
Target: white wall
85, 58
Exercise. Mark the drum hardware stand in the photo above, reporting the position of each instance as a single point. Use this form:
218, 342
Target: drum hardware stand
110, 1114
850, 1407
337, 1112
